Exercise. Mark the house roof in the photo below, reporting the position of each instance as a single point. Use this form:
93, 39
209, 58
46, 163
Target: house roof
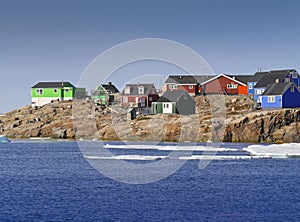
226, 76
278, 88
241, 78
271, 77
172, 96
53, 85
134, 89
257, 76
110, 88
188, 79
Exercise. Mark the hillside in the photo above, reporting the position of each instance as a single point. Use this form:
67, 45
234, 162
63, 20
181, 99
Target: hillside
241, 123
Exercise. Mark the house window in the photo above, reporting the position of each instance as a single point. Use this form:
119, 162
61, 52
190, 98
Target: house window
185, 97
292, 89
232, 86
67, 90
127, 90
295, 75
250, 86
287, 80
39, 91
55, 91
141, 90
125, 99
271, 99
173, 86
191, 86
166, 105
150, 99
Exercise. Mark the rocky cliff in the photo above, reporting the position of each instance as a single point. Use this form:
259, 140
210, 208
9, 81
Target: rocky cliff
238, 123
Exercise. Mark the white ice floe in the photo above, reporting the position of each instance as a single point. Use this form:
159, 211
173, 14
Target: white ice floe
275, 150
170, 148
192, 157
126, 157
206, 157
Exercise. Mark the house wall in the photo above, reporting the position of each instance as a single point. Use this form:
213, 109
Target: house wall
185, 106
219, 86
291, 99
251, 90
265, 104
41, 101
157, 107
47, 92
242, 90
191, 91
68, 93
257, 95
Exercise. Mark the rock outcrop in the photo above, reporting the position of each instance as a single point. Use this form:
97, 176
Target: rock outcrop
81, 119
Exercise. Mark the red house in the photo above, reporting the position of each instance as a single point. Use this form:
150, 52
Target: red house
139, 95
189, 83
226, 84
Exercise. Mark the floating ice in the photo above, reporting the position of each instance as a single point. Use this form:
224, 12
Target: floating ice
170, 148
275, 150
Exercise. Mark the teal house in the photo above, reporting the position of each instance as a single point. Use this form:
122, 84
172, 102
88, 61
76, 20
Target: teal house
174, 102
105, 94
48, 92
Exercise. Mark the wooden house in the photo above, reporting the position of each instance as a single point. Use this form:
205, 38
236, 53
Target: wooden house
253, 80
275, 76
174, 102
105, 94
189, 83
281, 95
225, 84
139, 95
47, 92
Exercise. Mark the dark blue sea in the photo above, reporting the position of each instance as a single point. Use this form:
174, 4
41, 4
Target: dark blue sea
52, 181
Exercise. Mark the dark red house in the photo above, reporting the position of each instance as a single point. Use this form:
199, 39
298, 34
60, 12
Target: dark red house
139, 95
225, 84
189, 83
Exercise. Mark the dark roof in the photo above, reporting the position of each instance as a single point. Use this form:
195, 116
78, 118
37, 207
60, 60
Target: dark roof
270, 78
241, 78
134, 89
172, 96
52, 85
257, 76
279, 88
110, 89
188, 79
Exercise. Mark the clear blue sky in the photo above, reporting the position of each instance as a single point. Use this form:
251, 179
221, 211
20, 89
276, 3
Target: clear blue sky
55, 40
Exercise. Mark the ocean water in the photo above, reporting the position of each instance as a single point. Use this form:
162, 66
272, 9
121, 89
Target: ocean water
52, 181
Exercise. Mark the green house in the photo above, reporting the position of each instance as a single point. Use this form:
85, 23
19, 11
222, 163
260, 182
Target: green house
105, 94
174, 102
48, 92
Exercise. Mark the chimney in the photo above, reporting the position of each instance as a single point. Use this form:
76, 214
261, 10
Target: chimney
109, 83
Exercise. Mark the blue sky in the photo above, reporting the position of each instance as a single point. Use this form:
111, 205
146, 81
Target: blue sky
56, 40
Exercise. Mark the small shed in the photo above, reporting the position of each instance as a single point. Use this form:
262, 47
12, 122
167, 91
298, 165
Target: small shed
131, 114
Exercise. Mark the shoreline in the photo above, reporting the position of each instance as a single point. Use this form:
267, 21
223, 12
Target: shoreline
56, 121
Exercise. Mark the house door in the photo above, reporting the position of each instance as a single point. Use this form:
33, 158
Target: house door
167, 107
40, 102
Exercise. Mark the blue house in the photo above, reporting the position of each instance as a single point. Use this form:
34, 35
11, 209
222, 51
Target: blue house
277, 76
281, 95
253, 80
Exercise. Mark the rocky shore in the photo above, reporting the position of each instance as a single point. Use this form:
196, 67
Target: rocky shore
81, 119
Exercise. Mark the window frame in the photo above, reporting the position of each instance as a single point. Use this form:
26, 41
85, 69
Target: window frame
271, 99
39, 91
